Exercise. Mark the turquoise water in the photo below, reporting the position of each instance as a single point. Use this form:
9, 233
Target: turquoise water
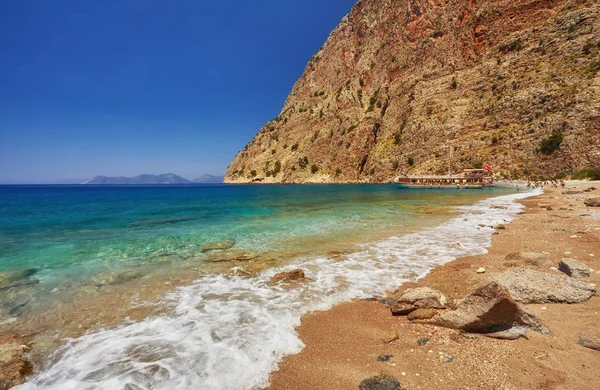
222, 328
67, 237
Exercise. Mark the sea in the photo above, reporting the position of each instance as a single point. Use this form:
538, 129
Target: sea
170, 287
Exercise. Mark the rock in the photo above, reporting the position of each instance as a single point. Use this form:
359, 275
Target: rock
509, 334
14, 368
116, 279
573, 268
294, 275
393, 336
545, 331
423, 341
217, 245
384, 358
381, 382
422, 314
593, 202
488, 309
500, 227
530, 286
499, 207
589, 342
447, 358
571, 192
402, 309
480, 270
423, 297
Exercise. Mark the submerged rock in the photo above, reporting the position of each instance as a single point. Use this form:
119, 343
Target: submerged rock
116, 279
14, 368
217, 245
381, 382
530, 286
294, 275
574, 268
488, 309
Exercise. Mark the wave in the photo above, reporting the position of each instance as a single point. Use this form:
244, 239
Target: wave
230, 332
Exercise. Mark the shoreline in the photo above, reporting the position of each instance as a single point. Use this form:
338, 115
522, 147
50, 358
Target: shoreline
342, 344
462, 211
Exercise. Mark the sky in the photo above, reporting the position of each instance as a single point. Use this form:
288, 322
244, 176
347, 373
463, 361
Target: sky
124, 87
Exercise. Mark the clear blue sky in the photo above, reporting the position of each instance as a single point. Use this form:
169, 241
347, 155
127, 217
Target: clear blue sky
122, 87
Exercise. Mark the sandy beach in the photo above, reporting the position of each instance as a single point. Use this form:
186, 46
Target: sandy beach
343, 344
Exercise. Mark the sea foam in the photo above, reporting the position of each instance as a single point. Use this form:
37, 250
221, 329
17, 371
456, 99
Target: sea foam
224, 332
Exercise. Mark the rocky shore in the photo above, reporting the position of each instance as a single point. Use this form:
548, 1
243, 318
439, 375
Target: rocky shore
522, 316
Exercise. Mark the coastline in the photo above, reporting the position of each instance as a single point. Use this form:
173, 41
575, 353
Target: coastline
342, 345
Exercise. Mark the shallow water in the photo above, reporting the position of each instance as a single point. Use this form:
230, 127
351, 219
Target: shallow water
223, 331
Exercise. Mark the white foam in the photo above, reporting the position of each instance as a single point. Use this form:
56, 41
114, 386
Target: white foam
231, 332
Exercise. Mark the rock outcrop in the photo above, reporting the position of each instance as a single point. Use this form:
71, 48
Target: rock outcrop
417, 86
417, 298
489, 309
530, 286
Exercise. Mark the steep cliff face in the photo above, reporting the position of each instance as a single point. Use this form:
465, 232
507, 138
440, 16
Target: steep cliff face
421, 86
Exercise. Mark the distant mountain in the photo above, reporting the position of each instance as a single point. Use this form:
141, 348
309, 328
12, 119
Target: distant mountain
167, 178
209, 179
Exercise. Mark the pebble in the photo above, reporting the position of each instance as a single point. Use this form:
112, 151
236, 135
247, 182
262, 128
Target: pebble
403, 374
448, 358
567, 252
481, 270
543, 308
545, 331
591, 254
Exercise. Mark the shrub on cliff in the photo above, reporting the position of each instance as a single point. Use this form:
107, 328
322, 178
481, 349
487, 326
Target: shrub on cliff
411, 161
552, 143
314, 168
589, 174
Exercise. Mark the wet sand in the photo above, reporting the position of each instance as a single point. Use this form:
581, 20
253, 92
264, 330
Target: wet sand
342, 344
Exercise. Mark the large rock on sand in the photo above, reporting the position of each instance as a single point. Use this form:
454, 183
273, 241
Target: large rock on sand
418, 298
490, 308
382, 382
530, 286
573, 268
593, 202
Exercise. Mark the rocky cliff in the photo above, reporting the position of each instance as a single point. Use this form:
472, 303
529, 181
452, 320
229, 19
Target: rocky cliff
424, 86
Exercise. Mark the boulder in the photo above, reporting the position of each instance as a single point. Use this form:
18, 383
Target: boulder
13, 367
490, 308
421, 314
296, 274
573, 268
530, 286
423, 297
381, 382
593, 202
217, 245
